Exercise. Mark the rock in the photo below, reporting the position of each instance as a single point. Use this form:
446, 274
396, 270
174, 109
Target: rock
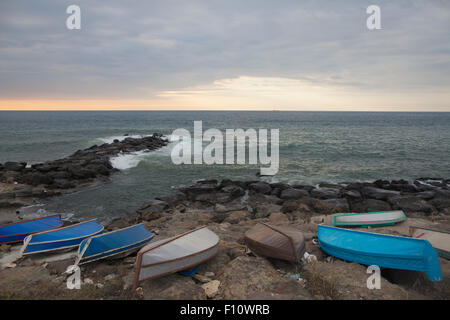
348, 281
109, 277
231, 206
425, 195
352, 194
211, 288
440, 203
325, 193
370, 205
411, 204
173, 199
88, 281
245, 277
154, 206
233, 191
278, 218
237, 216
5, 248
261, 187
264, 210
209, 274
172, 287
338, 204
201, 278
378, 194
292, 193
14, 166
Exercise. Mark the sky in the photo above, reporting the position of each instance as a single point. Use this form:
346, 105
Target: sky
225, 55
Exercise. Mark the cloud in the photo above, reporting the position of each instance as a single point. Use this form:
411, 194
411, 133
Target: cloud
156, 50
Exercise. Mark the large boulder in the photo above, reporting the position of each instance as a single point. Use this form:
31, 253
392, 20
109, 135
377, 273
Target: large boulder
325, 193
14, 166
370, 205
261, 187
338, 204
378, 194
292, 193
411, 204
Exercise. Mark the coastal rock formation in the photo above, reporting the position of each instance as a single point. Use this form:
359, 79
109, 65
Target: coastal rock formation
82, 168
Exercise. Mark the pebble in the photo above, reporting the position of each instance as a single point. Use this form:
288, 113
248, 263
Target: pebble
211, 288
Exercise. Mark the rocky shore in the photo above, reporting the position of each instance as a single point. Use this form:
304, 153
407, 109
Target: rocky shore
20, 183
230, 208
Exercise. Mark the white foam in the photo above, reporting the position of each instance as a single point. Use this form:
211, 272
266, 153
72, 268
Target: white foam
127, 161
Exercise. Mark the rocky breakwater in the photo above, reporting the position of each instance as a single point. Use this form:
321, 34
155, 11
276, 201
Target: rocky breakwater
20, 182
230, 208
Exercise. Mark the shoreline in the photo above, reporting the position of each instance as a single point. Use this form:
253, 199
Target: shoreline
230, 208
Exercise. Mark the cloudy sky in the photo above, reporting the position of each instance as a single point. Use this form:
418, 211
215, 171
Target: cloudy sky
225, 54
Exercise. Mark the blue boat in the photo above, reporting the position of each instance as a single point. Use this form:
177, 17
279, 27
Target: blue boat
16, 232
385, 251
189, 272
109, 244
62, 238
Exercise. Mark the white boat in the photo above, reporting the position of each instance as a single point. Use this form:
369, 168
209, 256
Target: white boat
439, 239
174, 254
372, 219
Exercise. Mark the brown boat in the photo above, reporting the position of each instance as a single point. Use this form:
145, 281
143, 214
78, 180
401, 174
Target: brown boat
283, 243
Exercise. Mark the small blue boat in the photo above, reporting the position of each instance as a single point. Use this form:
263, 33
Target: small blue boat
61, 238
16, 232
109, 244
385, 251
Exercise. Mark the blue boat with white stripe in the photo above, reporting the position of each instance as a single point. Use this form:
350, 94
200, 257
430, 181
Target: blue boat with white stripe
68, 237
385, 251
16, 232
122, 241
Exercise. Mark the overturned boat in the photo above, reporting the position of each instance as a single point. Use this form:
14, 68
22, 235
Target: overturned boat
369, 219
62, 238
174, 254
119, 242
385, 251
283, 243
439, 239
16, 232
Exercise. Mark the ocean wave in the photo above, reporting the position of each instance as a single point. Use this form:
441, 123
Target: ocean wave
128, 160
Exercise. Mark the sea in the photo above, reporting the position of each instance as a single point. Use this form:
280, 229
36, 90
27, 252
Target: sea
314, 147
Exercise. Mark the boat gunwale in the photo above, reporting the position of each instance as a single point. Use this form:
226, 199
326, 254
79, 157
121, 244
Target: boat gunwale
81, 255
136, 278
27, 233
109, 255
170, 239
67, 239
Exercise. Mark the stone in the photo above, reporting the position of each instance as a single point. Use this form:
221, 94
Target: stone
211, 288
261, 187
378, 194
411, 204
370, 205
278, 217
292, 193
237, 216
339, 204
325, 193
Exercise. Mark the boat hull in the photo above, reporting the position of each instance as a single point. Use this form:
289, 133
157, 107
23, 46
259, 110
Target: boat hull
62, 238
282, 243
111, 244
385, 251
369, 219
439, 239
17, 232
175, 254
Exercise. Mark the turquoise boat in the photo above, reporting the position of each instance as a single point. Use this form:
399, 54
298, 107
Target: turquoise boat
385, 251
369, 219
